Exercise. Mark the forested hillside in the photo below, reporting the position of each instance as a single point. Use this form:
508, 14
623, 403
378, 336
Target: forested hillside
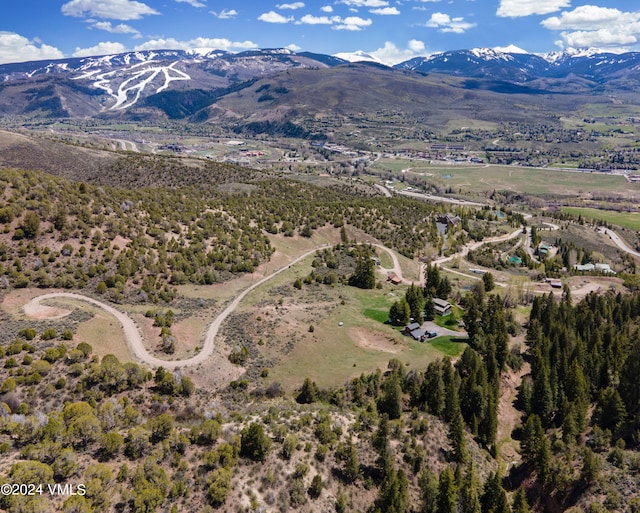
140, 242
404, 439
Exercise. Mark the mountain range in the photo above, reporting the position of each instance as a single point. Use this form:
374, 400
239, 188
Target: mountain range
181, 84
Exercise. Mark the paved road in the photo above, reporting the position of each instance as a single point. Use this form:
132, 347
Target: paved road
618, 241
134, 337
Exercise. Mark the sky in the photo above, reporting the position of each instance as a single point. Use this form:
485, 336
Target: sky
391, 30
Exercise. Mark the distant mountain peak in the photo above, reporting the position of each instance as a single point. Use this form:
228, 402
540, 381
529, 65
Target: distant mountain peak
510, 49
358, 56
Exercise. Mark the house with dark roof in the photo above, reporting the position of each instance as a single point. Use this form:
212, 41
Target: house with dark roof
411, 327
441, 306
448, 219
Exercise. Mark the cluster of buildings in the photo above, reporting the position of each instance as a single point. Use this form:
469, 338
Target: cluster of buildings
420, 332
603, 268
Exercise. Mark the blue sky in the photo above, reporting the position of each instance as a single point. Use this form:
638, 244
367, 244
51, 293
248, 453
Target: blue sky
392, 30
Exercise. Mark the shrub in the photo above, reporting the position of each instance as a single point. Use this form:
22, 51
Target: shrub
254, 442
27, 333
48, 334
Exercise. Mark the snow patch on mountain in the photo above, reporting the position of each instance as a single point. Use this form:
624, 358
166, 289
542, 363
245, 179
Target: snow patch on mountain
128, 91
510, 49
358, 56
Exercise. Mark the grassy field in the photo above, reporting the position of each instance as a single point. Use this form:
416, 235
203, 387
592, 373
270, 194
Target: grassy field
629, 220
528, 180
104, 333
352, 338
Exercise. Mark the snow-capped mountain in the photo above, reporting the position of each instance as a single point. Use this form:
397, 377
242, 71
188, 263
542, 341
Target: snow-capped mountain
180, 82
358, 56
518, 66
90, 85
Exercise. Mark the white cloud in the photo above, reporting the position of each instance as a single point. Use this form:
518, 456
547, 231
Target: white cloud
107, 9
105, 48
385, 11
225, 14
326, 8
352, 23
199, 42
593, 26
17, 48
598, 38
117, 29
365, 3
519, 8
293, 47
294, 5
309, 19
589, 17
416, 46
390, 54
274, 17
445, 23
194, 3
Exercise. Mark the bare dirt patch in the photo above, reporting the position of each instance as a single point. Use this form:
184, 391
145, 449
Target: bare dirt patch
14, 301
39, 311
583, 285
367, 338
508, 416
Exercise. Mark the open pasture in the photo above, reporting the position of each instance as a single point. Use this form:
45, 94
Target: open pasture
629, 220
480, 179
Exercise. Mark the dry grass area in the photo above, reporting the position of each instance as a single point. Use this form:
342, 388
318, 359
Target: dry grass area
105, 335
367, 338
39, 153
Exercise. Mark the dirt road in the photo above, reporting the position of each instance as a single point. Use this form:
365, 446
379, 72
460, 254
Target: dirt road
134, 336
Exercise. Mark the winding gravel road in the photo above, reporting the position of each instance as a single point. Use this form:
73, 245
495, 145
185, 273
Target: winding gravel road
134, 337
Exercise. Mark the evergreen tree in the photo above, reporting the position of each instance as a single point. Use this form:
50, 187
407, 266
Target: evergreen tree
447, 492
432, 281
591, 465
532, 435
308, 393
416, 303
469, 496
428, 492
433, 389
380, 442
364, 275
457, 438
494, 498
399, 313
391, 400
488, 282
429, 309
351, 463
610, 410
254, 442
520, 503
542, 399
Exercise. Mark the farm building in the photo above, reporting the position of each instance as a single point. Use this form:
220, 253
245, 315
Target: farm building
411, 327
442, 307
393, 278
